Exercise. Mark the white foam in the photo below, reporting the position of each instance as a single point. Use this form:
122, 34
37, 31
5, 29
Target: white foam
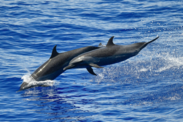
32, 83
175, 97
143, 70
171, 62
100, 77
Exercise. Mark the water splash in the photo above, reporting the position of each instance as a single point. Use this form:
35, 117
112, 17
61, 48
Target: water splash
27, 79
171, 62
140, 69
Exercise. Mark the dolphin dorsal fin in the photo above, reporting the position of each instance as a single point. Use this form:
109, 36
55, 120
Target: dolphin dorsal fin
100, 45
110, 42
54, 52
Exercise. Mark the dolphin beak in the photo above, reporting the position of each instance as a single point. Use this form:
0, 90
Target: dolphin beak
68, 67
23, 86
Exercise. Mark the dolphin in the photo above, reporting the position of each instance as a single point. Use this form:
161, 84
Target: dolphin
109, 54
53, 67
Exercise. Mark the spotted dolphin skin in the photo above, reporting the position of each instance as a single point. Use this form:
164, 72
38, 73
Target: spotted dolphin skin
110, 54
54, 66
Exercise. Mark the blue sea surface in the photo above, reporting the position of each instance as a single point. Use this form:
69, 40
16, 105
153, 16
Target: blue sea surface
144, 88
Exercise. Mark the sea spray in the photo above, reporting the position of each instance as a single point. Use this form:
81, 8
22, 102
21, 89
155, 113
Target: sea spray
30, 82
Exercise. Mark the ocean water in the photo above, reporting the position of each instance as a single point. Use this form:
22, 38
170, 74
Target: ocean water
147, 87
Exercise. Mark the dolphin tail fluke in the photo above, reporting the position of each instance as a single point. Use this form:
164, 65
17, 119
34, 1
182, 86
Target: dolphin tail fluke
90, 70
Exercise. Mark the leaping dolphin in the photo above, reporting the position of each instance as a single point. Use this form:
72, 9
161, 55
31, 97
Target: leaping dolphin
110, 54
54, 66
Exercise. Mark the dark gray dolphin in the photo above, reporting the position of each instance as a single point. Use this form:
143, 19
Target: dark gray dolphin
54, 66
110, 54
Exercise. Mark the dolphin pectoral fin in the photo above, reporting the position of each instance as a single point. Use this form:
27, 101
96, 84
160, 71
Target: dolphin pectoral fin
95, 65
90, 70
